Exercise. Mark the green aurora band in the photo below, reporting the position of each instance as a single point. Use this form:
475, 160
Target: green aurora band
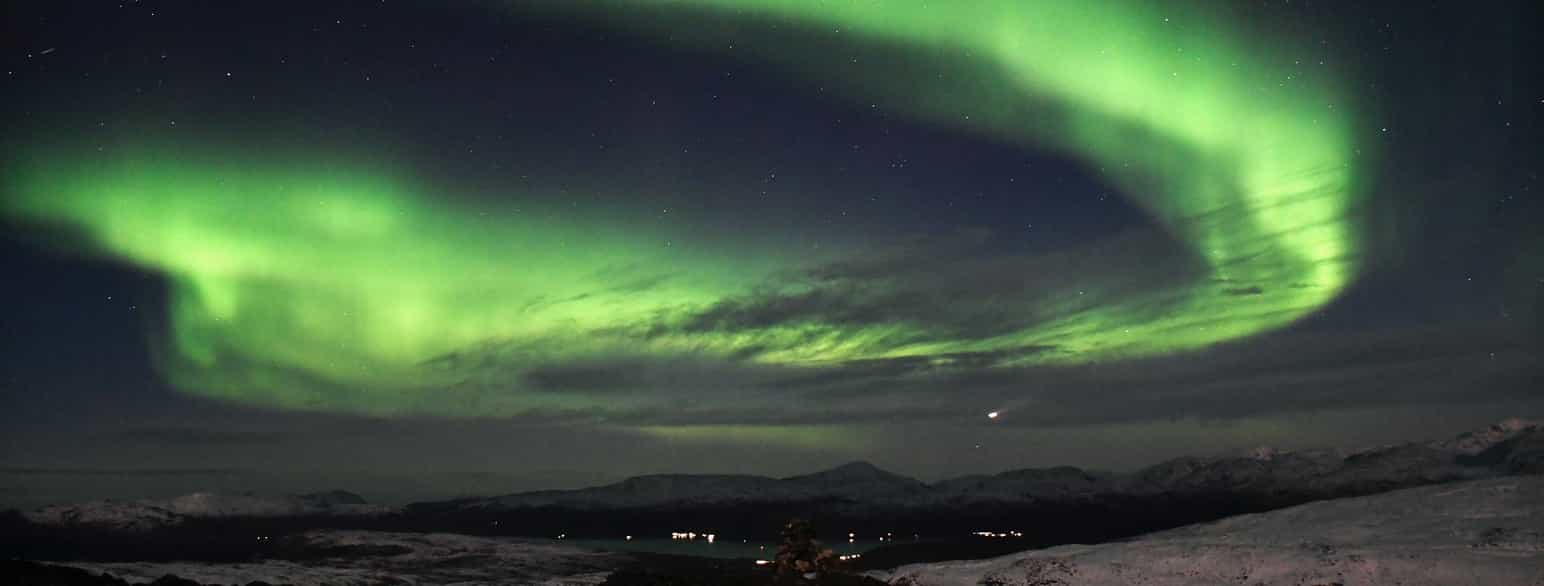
339, 287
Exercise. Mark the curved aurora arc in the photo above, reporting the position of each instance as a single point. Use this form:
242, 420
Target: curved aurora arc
338, 288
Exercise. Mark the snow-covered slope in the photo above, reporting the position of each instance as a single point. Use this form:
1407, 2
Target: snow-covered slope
1485, 532
1514, 445
1330, 472
1476, 442
1061, 483
856, 481
394, 558
117, 515
150, 514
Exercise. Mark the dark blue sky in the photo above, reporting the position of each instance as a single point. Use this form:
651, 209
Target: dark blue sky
478, 97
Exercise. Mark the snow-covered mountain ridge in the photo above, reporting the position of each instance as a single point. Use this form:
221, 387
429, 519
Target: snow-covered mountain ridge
1514, 446
148, 514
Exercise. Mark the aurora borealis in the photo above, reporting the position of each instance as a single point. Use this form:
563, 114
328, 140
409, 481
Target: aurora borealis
339, 286
288, 283
781, 223
1245, 160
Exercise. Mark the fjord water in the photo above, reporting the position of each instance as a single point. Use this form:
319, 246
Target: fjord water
720, 548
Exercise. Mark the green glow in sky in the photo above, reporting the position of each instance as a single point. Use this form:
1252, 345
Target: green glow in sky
1242, 153
351, 287
286, 271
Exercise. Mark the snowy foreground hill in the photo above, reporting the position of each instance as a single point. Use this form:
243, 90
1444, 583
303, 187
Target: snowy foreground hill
1485, 532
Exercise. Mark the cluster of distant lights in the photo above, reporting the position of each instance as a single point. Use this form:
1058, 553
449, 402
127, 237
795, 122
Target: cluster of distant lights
844, 557
852, 536
690, 536
997, 533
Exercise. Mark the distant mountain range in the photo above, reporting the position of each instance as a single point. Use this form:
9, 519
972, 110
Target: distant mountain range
141, 515
1265, 478
1514, 446
856, 481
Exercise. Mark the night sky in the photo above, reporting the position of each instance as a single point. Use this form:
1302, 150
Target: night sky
419, 249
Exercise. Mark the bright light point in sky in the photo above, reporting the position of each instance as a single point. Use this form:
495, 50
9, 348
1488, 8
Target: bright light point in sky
992, 415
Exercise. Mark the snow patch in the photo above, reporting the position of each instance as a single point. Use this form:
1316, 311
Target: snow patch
416, 558
1481, 532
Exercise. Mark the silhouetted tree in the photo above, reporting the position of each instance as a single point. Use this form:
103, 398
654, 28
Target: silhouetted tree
801, 556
